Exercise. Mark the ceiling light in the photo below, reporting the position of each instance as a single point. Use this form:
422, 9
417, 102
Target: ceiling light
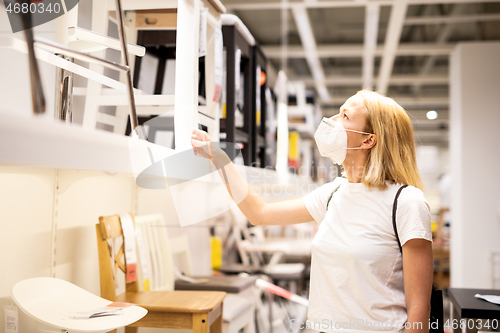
432, 115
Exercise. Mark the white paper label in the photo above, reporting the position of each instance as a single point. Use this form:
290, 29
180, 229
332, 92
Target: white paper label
218, 63
95, 313
224, 88
129, 245
11, 322
495, 299
202, 47
144, 259
237, 66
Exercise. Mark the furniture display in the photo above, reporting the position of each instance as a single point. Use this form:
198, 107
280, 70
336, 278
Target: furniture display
157, 30
80, 173
50, 300
200, 311
183, 19
93, 174
161, 252
81, 43
470, 308
252, 249
304, 115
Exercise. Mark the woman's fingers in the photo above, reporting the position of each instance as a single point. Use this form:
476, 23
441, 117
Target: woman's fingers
198, 143
200, 148
200, 135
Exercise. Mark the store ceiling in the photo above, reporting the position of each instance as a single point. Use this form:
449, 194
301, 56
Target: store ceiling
398, 47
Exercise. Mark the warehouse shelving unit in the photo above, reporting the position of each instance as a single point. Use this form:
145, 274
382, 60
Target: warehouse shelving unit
236, 37
259, 108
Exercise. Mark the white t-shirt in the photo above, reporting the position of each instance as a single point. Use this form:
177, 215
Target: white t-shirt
356, 268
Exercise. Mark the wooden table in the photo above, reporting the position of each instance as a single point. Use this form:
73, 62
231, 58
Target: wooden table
470, 308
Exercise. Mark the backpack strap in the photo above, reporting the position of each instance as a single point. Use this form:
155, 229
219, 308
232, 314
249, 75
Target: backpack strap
331, 196
394, 208
436, 315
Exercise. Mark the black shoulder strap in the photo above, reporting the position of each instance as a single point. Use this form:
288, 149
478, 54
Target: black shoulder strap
394, 209
331, 196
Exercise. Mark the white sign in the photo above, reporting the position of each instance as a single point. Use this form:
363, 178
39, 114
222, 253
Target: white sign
202, 46
129, 246
144, 259
11, 322
219, 63
237, 68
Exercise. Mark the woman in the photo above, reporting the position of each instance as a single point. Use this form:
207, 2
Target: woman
357, 271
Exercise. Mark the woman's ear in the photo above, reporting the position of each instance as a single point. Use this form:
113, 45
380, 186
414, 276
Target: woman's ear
370, 141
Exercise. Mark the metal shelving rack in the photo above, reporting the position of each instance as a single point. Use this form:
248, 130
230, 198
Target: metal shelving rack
259, 129
234, 40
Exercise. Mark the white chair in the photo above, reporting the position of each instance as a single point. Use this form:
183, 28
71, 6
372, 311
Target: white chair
50, 300
250, 253
239, 310
254, 245
185, 100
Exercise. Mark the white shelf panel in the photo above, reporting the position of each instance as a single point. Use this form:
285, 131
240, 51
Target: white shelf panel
140, 100
141, 4
28, 141
101, 41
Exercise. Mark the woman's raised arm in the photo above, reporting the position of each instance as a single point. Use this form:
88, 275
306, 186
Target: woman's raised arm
251, 205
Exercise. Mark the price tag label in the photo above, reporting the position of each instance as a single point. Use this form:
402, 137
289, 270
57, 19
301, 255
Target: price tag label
143, 256
129, 246
202, 47
11, 322
219, 63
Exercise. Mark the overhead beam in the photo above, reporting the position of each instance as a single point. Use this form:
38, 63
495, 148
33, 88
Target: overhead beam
334, 4
430, 2
304, 4
399, 80
357, 50
311, 53
372, 13
398, 13
449, 19
416, 114
430, 102
406, 102
443, 35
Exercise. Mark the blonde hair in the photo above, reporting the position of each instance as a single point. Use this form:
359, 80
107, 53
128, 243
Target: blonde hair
393, 157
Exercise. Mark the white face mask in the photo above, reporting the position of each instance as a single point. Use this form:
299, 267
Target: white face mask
331, 139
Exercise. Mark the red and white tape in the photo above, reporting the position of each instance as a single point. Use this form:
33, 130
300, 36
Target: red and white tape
272, 288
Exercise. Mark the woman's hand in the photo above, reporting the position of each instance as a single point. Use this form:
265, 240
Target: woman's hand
254, 208
200, 135
200, 140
